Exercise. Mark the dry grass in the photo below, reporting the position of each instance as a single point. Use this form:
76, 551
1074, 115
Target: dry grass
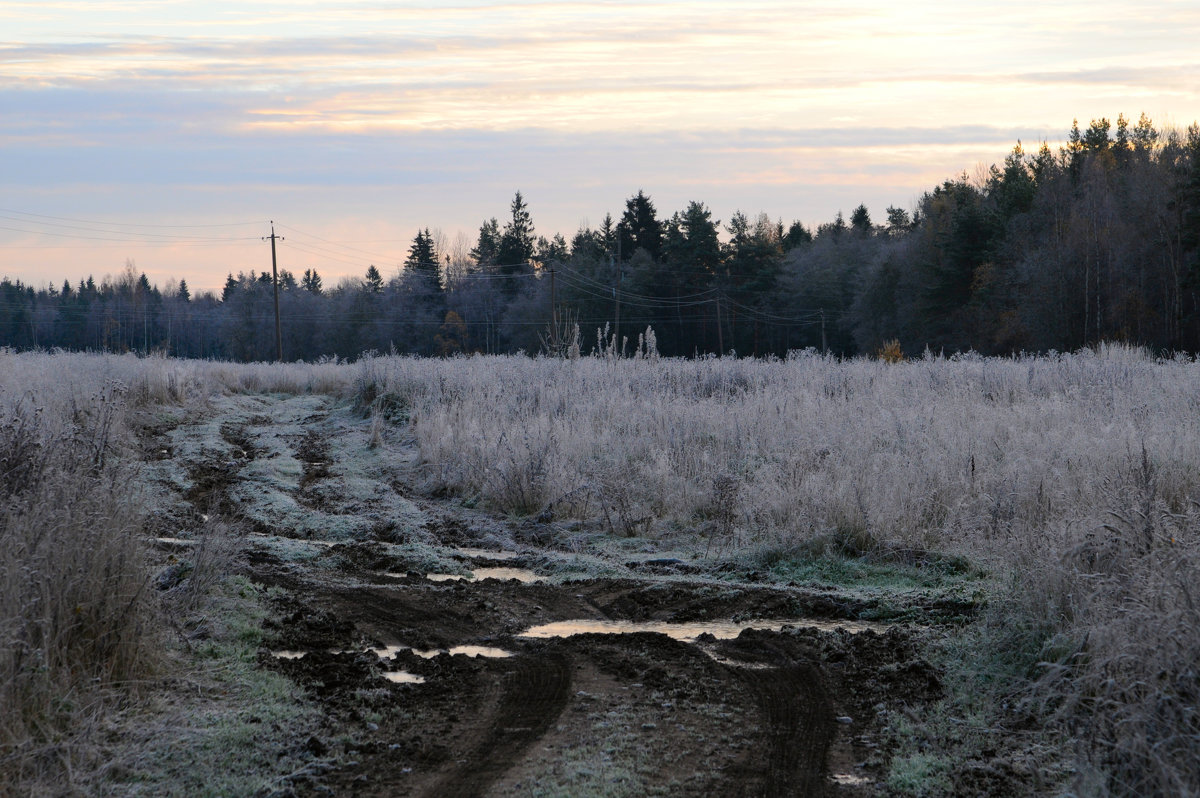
76, 615
1075, 478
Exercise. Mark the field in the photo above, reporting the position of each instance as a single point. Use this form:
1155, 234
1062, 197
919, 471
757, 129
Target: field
799, 577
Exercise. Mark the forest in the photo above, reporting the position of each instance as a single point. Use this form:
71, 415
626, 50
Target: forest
1052, 250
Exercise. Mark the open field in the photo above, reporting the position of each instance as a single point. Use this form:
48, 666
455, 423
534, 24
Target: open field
969, 576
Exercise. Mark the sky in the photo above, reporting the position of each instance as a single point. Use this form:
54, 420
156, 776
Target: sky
170, 133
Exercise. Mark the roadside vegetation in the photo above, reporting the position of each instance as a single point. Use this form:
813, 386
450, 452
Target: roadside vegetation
1061, 493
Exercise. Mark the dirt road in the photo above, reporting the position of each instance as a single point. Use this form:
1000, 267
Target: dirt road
374, 586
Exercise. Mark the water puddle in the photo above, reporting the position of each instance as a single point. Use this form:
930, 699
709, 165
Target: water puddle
504, 574
487, 554
288, 654
523, 575
281, 539
489, 652
387, 652
688, 632
404, 677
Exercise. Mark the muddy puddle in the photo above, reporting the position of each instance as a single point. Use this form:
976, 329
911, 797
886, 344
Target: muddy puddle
487, 554
522, 575
404, 677
489, 652
325, 544
690, 631
387, 652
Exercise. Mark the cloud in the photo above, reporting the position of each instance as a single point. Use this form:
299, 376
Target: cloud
381, 115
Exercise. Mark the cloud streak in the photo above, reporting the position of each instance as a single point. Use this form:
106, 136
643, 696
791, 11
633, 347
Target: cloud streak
378, 114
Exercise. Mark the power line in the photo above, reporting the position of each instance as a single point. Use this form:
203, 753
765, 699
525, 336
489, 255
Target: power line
127, 224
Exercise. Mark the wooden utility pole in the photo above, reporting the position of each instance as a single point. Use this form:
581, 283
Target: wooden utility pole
617, 292
275, 286
553, 313
720, 332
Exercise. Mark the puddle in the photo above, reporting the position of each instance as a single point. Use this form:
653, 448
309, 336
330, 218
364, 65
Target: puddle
288, 654
404, 677
387, 652
489, 652
486, 554
687, 632
281, 539
503, 574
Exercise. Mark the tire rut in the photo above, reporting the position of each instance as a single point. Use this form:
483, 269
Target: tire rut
535, 694
799, 728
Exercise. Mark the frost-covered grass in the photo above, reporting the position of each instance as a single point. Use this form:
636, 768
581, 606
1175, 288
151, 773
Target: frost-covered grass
931, 453
76, 620
1074, 479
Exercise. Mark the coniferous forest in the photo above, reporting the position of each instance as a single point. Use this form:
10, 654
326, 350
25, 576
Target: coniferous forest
1098, 240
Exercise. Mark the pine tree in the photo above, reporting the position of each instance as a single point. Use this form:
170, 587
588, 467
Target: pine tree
797, 235
487, 245
860, 222
422, 254
640, 228
374, 280
516, 243
311, 281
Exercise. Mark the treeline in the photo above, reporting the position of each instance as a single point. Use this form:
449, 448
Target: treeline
1099, 240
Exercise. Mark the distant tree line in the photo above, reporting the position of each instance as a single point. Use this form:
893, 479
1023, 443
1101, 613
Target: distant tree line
1099, 240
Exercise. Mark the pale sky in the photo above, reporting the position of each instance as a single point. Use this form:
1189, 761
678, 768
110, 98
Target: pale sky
170, 132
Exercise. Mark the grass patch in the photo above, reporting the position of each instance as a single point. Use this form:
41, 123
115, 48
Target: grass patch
820, 563
232, 727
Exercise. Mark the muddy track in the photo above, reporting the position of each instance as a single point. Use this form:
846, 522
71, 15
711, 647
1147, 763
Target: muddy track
798, 725
535, 693
598, 714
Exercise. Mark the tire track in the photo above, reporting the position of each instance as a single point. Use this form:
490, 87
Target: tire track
535, 694
799, 728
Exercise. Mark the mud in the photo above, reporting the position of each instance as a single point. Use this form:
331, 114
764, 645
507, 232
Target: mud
448, 688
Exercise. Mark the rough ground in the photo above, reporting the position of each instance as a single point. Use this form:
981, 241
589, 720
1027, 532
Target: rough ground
341, 535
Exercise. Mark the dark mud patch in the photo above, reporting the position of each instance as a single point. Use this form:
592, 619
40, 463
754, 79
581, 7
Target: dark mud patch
533, 695
313, 452
211, 479
153, 438
244, 448
755, 715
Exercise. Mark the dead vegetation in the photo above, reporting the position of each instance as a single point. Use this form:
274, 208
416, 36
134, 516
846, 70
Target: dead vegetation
1071, 479
77, 614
